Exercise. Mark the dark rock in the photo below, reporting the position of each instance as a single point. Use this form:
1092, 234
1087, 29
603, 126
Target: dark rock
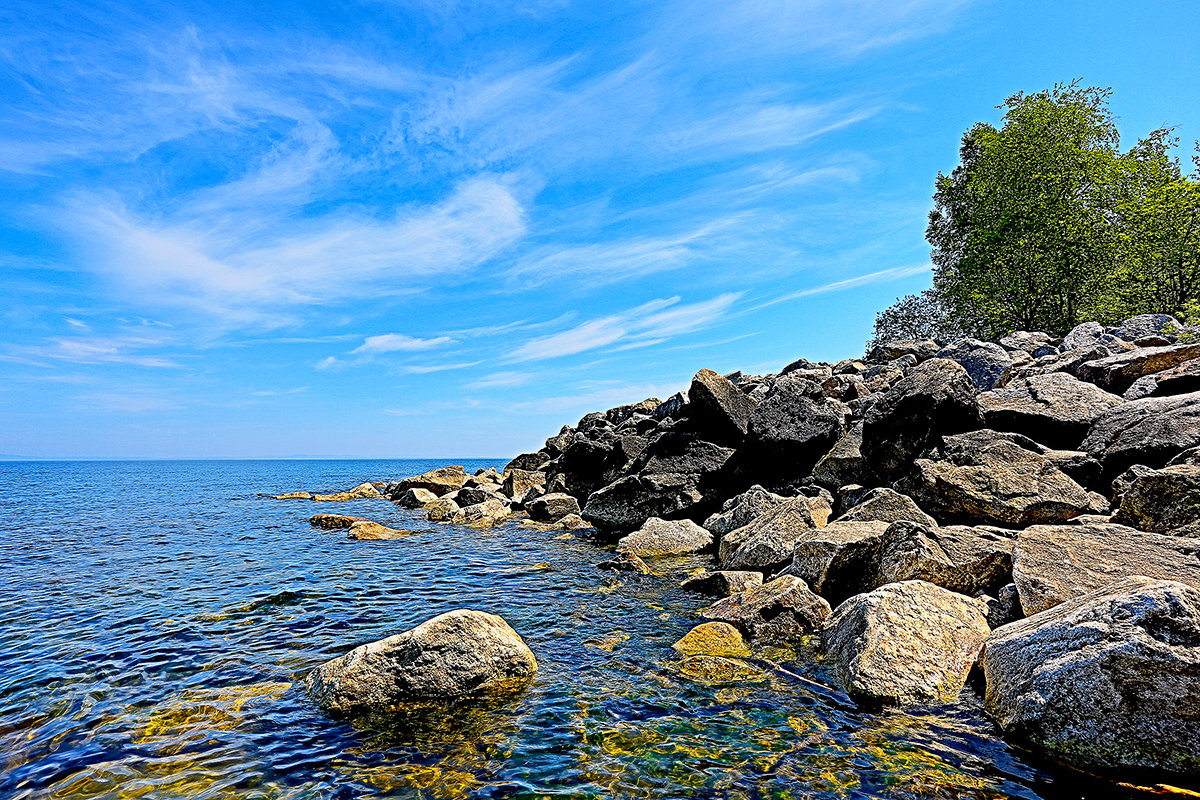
922, 349
333, 522
455, 655
1004, 608
909, 642
672, 408
1149, 431
988, 364
780, 612
936, 398
675, 452
718, 408
1107, 680
629, 502
844, 463
791, 428
518, 483
886, 505
625, 561
552, 507
1149, 325
1054, 563
722, 583
1116, 373
1054, 409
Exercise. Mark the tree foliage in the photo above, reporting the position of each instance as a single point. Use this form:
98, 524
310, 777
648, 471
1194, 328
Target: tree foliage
1046, 222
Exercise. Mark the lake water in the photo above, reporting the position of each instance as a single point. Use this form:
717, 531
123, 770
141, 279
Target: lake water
158, 618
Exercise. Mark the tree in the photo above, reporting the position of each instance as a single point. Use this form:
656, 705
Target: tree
914, 316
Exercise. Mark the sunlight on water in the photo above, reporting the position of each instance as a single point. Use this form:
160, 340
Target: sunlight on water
160, 618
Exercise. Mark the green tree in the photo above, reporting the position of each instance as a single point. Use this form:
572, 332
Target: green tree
914, 316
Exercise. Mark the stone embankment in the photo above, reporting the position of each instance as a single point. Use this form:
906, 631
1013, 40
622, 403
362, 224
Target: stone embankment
1029, 506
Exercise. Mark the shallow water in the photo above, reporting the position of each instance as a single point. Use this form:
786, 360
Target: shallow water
158, 617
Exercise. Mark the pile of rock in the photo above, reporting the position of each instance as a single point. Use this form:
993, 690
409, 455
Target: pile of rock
1030, 505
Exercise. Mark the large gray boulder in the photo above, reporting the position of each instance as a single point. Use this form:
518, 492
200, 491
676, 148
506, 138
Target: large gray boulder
1117, 372
959, 558
1162, 500
886, 505
909, 642
1055, 563
844, 463
937, 397
449, 657
552, 507
1145, 326
996, 481
718, 408
630, 501
778, 612
1107, 680
988, 364
1055, 409
1150, 431
659, 537
920, 349
836, 560
766, 543
439, 481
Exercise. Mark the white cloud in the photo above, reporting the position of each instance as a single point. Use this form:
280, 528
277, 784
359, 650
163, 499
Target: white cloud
115, 349
393, 342
501, 380
879, 276
654, 321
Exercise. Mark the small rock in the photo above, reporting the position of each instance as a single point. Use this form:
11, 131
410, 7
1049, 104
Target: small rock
331, 522
366, 530
1107, 680
552, 507
294, 496
722, 583
659, 537
624, 561
416, 498
713, 639
909, 642
454, 655
781, 611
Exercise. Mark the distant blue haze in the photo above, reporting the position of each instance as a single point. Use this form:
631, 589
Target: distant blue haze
397, 228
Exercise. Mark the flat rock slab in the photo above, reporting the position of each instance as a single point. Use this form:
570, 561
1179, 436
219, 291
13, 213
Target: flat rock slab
1110, 679
333, 522
1116, 373
1055, 563
1055, 409
455, 655
1150, 431
365, 530
909, 642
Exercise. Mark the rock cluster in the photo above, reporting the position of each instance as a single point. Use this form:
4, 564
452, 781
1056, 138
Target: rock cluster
1034, 499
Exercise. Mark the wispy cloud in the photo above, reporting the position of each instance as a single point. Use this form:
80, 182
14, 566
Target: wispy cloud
393, 342
657, 320
501, 380
97, 349
879, 276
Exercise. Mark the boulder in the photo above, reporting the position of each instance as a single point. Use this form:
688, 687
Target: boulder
791, 428
1085, 334
836, 559
1144, 326
531, 462
571, 522
722, 583
1107, 680
365, 530
673, 407
659, 537
630, 501
921, 349
333, 522
961, 559
452, 656
766, 543
473, 495
481, 515
518, 483
778, 612
718, 408
1161, 500
1149, 431
552, 507
713, 639
1054, 563
988, 364
886, 505
293, 496
1055, 409
1176, 380
439, 481
744, 509
681, 453
1117, 373
998, 483
415, 498
364, 491
625, 561
440, 509
937, 397
909, 642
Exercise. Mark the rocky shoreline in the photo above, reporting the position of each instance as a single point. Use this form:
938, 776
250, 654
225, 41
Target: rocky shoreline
1025, 510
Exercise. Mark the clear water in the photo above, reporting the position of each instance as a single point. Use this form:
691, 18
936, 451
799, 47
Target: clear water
158, 616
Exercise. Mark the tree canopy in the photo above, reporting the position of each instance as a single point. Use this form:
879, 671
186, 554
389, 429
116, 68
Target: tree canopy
1046, 223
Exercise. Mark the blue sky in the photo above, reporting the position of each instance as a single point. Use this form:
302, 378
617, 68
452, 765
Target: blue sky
444, 229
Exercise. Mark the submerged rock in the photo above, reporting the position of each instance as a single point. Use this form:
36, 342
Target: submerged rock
454, 655
719, 670
293, 496
367, 530
909, 642
1107, 680
659, 537
713, 639
781, 611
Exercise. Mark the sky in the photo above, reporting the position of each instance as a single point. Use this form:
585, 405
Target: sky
397, 228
